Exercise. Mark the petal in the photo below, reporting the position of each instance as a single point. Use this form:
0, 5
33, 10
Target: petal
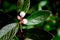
25, 21
22, 14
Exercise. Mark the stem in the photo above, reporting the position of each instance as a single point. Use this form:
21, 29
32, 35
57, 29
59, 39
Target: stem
21, 27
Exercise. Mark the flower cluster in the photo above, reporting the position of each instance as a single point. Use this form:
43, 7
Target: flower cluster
20, 17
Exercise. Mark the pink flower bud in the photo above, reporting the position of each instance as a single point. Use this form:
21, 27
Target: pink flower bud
18, 17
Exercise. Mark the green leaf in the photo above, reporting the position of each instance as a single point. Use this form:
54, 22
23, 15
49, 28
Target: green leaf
23, 5
15, 38
8, 31
41, 4
38, 17
32, 9
27, 27
26, 5
20, 5
37, 34
40, 24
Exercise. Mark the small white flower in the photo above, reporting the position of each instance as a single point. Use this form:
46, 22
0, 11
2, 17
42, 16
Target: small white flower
22, 14
25, 21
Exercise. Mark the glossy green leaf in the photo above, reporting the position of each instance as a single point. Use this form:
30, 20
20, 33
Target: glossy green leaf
8, 31
32, 9
27, 27
41, 4
37, 34
40, 24
23, 5
38, 17
20, 5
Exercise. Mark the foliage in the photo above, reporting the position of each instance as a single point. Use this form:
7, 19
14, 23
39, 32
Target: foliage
8, 31
42, 15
